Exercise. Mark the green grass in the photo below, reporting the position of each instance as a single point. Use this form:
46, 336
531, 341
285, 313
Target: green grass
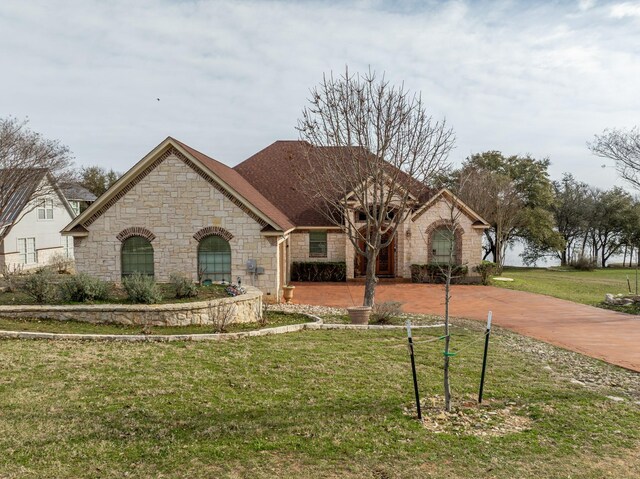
586, 287
311, 404
76, 327
118, 296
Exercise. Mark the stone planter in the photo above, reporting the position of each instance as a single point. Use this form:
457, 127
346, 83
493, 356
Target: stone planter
359, 314
287, 293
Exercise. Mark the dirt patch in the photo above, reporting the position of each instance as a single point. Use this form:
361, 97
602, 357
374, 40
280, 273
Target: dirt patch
492, 418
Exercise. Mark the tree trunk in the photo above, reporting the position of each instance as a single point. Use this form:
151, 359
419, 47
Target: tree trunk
624, 258
497, 255
371, 279
563, 258
447, 388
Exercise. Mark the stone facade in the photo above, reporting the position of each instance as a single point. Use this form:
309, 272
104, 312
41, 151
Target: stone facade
468, 238
173, 202
299, 246
246, 308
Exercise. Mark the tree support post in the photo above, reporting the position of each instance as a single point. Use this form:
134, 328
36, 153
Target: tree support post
484, 357
413, 369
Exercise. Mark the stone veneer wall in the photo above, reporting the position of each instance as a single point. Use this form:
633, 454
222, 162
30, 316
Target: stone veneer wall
246, 308
299, 246
174, 202
471, 238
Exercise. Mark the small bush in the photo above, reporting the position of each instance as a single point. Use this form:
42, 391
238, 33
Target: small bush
221, 316
82, 288
141, 289
383, 313
11, 276
185, 288
486, 269
61, 263
318, 271
582, 263
41, 286
435, 273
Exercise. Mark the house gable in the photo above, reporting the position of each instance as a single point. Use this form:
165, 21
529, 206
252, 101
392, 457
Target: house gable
444, 194
173, 148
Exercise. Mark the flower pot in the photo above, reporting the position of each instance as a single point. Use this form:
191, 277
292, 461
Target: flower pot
359, 314
287, 293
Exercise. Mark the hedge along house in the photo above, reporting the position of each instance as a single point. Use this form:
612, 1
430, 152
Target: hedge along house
179, 211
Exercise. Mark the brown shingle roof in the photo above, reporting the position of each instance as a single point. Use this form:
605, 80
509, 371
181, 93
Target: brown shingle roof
271, 172
242, 187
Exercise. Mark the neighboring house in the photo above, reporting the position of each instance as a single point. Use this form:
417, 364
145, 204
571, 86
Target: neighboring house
179, 211
30, 226
78, 197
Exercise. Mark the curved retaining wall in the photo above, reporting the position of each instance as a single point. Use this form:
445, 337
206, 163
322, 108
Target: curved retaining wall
246, 308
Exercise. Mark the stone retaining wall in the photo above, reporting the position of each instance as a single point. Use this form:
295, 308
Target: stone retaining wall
246, 308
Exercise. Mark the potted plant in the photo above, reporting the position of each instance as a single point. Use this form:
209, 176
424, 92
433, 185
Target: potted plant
287, 292
359, 314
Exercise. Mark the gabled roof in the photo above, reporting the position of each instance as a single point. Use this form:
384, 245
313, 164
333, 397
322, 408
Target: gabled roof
272, 172
76, 192
228, 179
20, 197
478, 221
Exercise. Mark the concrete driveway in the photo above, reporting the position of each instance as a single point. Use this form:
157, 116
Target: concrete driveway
607, 335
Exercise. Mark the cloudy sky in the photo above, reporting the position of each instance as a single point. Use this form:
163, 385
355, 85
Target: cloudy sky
233, 76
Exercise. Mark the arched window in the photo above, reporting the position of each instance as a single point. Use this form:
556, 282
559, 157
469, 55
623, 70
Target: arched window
214, 259
443, 246
137, 256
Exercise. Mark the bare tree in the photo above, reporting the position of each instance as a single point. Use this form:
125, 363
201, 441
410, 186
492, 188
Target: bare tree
221, 315
374, 150
623, 147
24, 158
450, 270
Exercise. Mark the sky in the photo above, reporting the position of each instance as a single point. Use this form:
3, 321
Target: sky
112, 79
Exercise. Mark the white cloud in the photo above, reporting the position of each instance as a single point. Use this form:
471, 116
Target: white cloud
626, 9
233, 76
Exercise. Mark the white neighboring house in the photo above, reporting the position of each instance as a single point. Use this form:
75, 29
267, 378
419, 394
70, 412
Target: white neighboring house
30, 227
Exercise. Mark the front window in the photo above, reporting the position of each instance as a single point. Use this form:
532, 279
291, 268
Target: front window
45, 210
27, 250
318, 244
67, 245
137, 256
214, 259
443, 246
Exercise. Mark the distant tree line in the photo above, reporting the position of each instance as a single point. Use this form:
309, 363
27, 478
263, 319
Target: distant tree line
566, 219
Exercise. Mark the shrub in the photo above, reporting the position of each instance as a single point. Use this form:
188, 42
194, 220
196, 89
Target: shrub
318, 271
61, 263
582, 263
82, 287
486, 269
41, 286
221, 316
436, 273
141, 289
11, 275
383, 313
185, 288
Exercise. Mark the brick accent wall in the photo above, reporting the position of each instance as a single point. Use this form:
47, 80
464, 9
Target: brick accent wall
174, 202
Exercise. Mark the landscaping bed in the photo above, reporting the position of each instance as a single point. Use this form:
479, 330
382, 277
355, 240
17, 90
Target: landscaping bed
313, 404
273, 319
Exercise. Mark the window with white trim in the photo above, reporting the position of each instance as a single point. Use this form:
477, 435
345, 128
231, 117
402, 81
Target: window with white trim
27, 250
67, 246
45, 210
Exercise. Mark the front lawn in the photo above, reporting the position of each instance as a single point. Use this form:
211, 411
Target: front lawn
311, 404
587, 287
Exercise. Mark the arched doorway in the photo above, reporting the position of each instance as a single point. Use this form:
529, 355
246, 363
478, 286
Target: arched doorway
385, 262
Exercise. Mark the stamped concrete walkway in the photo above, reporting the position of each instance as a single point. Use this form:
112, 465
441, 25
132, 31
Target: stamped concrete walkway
607, 335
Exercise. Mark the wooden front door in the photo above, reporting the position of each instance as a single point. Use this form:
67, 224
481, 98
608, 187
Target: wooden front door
385, 263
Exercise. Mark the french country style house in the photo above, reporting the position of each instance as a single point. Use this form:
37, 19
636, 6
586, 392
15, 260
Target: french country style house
180, 211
